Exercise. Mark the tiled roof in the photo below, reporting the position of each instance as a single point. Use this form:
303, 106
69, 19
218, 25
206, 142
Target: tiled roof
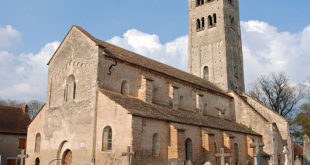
13, 120
139, 60
140, 108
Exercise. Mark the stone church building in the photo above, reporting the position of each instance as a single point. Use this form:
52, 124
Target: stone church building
106, 105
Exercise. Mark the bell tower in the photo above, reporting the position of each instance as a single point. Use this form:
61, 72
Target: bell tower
215, 50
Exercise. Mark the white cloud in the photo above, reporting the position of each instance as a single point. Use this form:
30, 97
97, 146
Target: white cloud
24, 76
266, 50
9, 37
173, 53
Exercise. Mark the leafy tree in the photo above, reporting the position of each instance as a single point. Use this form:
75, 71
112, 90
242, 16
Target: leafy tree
277, 92
303, 121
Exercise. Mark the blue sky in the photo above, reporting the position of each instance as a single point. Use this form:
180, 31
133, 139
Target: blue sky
275, 36
42, 21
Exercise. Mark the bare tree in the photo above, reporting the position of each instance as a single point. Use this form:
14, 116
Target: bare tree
34, 107
276, 92
11, 103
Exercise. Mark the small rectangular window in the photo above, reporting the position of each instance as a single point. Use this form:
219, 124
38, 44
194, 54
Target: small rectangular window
22, 143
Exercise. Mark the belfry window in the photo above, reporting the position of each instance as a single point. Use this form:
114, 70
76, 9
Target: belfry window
206, 72
210, 21
232, 21
214, 19
203, 22
198, 25
107, 139
199, 2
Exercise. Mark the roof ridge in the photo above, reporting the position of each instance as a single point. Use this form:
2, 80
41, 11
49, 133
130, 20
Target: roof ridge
251, 107
267, 107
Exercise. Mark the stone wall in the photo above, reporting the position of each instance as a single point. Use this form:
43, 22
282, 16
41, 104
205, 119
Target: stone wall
248, 116
112, 115
164, 89
282, 123
69, 121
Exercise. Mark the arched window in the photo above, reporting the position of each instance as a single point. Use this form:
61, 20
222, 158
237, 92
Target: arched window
214, 19
205, 108
206, 72
155, 145
210, 21
203, 22
198, 26
74, 90
197, 2
107, 139
236, 154
37, 143
232, 21
230, 1
125, 88
37, 162
189, 149
70, 89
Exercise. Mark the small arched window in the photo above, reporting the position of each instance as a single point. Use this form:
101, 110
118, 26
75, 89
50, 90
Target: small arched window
205, 108
206, 72
125, 88
37, 143
232, 21
198, 26
236, 154
203, 22
155, 145
107, 139
189, 149
37, 162
197, 2
214, 19
70, 89
210, 21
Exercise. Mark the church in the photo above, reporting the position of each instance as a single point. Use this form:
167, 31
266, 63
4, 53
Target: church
106, 105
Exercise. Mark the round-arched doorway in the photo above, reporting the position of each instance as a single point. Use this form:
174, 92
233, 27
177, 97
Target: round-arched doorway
67, 158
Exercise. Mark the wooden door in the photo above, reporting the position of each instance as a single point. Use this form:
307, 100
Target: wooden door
67, 160
11, 162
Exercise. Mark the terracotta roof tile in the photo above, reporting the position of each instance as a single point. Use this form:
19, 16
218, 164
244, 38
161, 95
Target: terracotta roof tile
13, 120
139, 108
